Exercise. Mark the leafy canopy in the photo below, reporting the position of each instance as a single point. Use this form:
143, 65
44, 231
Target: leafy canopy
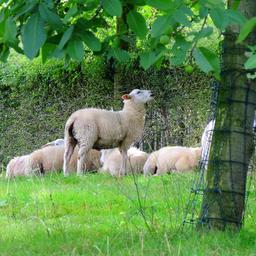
71, 29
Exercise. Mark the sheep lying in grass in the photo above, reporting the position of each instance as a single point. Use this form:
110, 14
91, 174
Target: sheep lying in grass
51, 158
101, 129
46, 159
176, 159
19, 166
112, 160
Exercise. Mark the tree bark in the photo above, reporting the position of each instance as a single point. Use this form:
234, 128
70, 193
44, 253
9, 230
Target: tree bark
232, 144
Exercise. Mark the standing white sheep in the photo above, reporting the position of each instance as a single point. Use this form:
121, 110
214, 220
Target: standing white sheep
176, 159
101, 129
112, 160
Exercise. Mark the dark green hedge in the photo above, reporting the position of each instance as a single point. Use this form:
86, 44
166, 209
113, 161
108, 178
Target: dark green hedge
36, 100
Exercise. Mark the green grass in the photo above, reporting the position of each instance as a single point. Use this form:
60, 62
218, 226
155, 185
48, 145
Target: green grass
100, 215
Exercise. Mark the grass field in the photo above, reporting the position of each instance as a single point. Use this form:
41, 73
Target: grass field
100, 215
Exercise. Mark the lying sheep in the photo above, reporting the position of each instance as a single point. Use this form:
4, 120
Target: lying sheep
176, 159
18, 166
101, 129
112, 160
48, 159
51, 158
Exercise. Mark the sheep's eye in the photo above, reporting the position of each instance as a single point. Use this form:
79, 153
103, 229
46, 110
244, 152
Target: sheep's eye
138, 92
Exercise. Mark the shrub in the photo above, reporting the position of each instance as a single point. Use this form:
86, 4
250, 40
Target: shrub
36, 100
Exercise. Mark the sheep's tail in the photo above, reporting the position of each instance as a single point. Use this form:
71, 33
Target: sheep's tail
69, 132
69, 128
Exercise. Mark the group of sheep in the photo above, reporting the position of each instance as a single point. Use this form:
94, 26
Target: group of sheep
50, 158
97, 139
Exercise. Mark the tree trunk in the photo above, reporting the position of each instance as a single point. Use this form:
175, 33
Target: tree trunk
232, 144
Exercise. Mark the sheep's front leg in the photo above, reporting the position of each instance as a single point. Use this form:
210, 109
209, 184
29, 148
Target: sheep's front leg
124, 162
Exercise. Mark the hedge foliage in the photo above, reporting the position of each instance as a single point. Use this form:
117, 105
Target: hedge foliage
36, 100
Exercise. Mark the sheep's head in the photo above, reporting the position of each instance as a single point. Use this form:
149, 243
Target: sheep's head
139, 96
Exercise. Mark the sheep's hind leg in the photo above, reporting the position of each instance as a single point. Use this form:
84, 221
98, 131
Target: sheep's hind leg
69, 149
81, 160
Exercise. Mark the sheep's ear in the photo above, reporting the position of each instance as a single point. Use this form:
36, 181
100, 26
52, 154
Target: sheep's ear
126, 97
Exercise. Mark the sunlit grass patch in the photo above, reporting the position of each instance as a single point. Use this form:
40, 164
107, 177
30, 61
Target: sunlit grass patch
101, 215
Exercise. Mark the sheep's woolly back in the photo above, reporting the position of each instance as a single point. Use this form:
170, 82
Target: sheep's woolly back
112, 160
178, 159
106, 129
47, 158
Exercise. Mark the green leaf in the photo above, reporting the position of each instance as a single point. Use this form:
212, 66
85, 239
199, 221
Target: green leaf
2, 15
251, 62
205, 32
29, 6
48, 16
92, 41
149, 58
4, 53
75, 49
207, 60
10, 30
137, 2
161, 25
181, 17
137, 23
33, 35
16, 47
72, 11
162, 5
179, 50
90, 4
112, 7
246, 29
203, 11
119, 54
213, 4
66, 36
59, 53
235, 17
219, 18
47, 51
236, 4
